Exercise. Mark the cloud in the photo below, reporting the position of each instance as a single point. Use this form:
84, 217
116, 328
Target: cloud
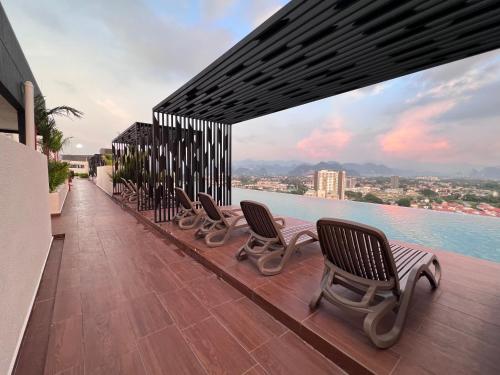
113, 108
259, 11
414, 136
216, 9
367, 91
458, 79
326, 141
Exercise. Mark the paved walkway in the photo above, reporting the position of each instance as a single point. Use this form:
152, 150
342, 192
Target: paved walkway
129, 302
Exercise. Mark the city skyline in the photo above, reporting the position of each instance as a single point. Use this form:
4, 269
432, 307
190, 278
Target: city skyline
437, 119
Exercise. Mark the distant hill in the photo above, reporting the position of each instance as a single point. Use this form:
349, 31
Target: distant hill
487, 173
296, 168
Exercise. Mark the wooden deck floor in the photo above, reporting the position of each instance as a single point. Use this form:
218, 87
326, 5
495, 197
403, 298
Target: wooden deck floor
119, 298
455, 329
123, 298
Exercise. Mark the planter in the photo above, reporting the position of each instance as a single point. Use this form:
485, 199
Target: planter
57, 198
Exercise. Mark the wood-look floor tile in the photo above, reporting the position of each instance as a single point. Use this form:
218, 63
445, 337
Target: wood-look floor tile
256, 370
33, 351
162, 280
147, 315
65, 345
75, 370
284, 300
106, 337
248, 323
188, 271
289, 355
166, 352
125, 364
41, 313
101, 300
248, 274
67, 304
170, 254
213, 291
184, 308
219, 352
328, 322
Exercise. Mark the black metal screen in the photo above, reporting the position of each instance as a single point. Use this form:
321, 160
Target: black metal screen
192, 154
132, 160
95, 161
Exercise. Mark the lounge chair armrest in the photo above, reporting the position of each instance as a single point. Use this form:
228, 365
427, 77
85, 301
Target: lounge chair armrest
231, 211
282, 219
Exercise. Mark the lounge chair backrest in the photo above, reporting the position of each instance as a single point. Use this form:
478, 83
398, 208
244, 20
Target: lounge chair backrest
260, 220
210, 207
358, 249
183, 198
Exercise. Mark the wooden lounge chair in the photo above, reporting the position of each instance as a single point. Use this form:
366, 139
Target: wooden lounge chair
270, 244
360, 258
218, 223
190, 213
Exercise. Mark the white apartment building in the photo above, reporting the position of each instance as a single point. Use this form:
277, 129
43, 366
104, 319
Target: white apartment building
330, 184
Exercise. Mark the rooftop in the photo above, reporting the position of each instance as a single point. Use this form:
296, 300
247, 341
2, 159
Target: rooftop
120, 292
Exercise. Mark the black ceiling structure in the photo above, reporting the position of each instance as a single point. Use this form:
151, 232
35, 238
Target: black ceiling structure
313, 49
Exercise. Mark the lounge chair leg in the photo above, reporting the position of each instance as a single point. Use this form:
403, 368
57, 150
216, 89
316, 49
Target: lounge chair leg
433, 277
223, 232
242, 254
372, 320
316, 298
261, 262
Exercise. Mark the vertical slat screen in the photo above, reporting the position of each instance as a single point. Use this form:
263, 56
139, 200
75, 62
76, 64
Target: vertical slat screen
197, 156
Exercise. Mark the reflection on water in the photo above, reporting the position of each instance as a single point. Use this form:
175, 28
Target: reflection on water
476, 236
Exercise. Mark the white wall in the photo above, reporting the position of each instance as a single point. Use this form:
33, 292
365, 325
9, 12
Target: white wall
25, 238
103, 179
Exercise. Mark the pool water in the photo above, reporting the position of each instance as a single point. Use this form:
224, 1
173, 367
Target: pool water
476, 236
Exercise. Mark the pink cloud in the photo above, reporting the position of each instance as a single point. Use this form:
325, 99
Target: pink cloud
413, 137
326, 141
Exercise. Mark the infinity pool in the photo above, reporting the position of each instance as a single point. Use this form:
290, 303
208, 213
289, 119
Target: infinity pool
477, 236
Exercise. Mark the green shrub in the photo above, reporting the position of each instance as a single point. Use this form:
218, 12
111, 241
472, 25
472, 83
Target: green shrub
372, 198
83, 175
58, 173
405, 202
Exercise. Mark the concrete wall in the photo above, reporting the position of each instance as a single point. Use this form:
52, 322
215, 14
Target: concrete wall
103, 179
25, 238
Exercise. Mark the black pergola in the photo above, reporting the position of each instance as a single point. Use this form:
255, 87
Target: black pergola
308, 50
132, 162
95, 161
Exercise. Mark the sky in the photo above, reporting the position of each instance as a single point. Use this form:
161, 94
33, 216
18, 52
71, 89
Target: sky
116, 59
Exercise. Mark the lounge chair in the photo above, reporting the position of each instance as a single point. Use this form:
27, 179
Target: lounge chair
270, 242
218, 223
129, 191
360, 258
189, 214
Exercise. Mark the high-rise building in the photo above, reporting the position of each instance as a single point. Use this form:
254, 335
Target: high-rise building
350, 182
394, 182
329, 184
341, 185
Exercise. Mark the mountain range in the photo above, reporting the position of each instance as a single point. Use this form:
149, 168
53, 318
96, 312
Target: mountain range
297, 168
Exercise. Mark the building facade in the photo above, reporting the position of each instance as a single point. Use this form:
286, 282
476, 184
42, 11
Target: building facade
394, 182
77, 163
330, 184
